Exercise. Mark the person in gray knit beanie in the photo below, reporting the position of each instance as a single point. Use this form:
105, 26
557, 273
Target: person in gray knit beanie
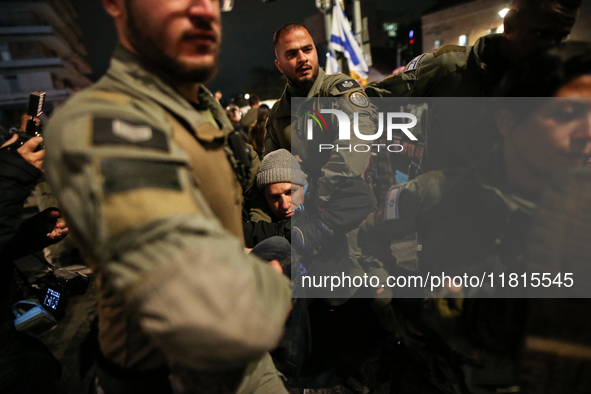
282, 181
280, 166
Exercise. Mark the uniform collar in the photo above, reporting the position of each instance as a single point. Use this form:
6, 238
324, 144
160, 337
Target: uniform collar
317, 84
284, 109
130, 70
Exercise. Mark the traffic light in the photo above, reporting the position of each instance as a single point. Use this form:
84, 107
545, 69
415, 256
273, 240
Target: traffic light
411, 42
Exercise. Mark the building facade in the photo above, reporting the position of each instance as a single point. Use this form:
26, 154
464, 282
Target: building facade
463, 24
40, 49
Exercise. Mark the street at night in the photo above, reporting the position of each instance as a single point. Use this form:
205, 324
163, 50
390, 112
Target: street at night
295, 196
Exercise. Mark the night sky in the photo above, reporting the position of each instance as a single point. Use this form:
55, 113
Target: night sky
247, 34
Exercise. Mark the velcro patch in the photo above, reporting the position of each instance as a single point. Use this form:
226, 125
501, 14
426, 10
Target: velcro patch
121, 175
414, 63
109, 131
449, 49
348, 85
359, 99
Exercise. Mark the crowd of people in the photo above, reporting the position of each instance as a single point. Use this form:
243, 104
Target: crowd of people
200, 223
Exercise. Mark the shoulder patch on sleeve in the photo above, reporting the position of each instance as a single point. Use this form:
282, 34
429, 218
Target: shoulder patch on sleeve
358, 99
137, 192
109, 131
347, 85
122, 175
390, 210
114, 97
449, 49
414, 63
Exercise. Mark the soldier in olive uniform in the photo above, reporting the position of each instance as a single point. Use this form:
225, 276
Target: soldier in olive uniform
339, 197
298, 60
474, 220
457, 71
335, 176
140, 163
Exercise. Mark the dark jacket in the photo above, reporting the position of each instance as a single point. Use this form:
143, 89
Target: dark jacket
469, 221
18, 237
17, 180
255, 232
28, 366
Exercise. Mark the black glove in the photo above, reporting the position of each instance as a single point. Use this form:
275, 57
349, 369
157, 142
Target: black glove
308, 234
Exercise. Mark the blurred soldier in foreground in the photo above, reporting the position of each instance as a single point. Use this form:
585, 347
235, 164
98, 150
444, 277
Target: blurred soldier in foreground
141, 165
476, 219
556, 348
457, 71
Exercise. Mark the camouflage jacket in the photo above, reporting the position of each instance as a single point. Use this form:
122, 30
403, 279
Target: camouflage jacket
151, 199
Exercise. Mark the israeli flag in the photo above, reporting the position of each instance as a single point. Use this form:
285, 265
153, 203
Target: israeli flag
332, 66
342, 40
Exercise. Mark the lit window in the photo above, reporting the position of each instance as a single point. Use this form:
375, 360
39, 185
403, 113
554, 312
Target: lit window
13, 82
463, 40
391, 28
4, 51
438, 43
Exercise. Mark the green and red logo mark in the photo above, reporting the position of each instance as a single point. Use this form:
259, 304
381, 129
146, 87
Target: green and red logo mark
317, 117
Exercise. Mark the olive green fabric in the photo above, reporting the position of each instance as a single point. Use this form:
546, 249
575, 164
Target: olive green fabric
458, 135
464, 217
327, 172
330, 173
250, 118
149, 195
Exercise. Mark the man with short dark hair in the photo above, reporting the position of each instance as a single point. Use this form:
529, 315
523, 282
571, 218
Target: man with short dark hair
458, 137
339, 198
328, 171
142, 165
